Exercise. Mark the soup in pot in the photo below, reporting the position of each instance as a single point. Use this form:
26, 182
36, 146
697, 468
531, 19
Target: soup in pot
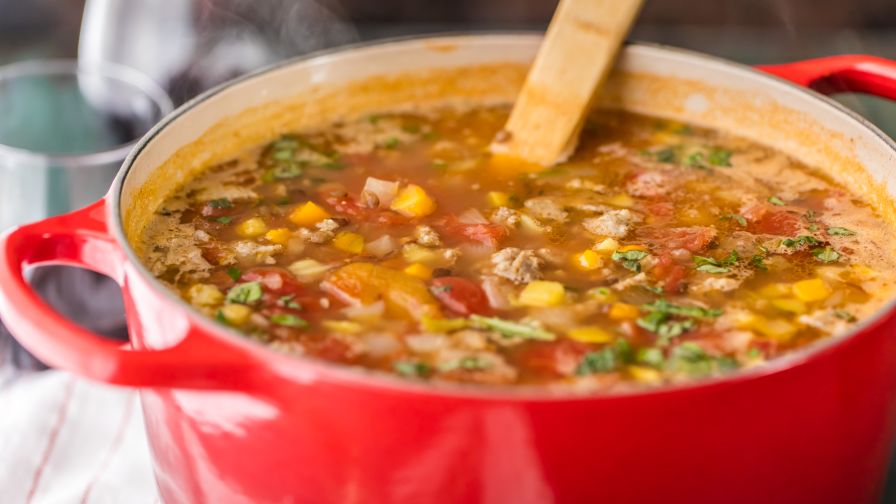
659, 253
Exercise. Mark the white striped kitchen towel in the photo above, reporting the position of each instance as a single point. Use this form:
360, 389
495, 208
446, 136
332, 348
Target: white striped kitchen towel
64, 440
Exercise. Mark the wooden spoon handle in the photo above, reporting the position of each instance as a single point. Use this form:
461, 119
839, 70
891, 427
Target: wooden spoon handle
577, 53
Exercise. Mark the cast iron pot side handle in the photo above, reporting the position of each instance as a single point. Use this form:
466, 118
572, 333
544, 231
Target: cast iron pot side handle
81, 239
839, 74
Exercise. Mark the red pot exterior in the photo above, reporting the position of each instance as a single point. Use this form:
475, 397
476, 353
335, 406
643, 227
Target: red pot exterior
229, 421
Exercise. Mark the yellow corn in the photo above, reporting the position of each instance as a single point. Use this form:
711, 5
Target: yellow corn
776, 329
790, 305
250, 228
542, 293
607, 246
623, 311
622, 200
590, 334
776, 290
308, 214
204, 295
412, 201
279, 235
349, 242
235, 314
587, 260
644, 374
862, 273
811, 290
498, 198
342, 326
420, 271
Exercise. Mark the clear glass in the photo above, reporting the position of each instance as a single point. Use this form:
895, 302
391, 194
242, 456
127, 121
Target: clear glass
64, 131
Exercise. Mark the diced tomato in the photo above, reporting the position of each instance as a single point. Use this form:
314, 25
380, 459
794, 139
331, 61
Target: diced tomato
670, 273
487, 234
346, 205
551, 359
693, 239
281, 288
460, 295
766, 219
661, 209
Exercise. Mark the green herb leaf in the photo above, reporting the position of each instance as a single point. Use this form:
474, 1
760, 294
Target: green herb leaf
287, 170
666, 155
244, 293
391, 143
412, 369
470, 363
737, 218
513, 329
630, 259
220, 203
651, 356
288, 320
661, 305
826, 254
758, 262
606, 359
709, 268
774, 200
719, 157
695, 160
234, 273
224, 220
288, 302
799, 241
839, 231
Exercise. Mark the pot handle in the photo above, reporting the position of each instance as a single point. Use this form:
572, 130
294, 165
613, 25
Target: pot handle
838, 74
81, 239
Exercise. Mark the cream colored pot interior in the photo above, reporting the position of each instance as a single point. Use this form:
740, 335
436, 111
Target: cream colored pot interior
488, 69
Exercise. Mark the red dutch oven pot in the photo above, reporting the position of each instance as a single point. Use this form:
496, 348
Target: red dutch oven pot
232, 421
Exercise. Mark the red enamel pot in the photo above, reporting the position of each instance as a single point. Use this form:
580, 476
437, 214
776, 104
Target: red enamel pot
232, 421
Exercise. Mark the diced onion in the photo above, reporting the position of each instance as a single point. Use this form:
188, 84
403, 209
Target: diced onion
372, 311
382, 246
384, 189
471, 216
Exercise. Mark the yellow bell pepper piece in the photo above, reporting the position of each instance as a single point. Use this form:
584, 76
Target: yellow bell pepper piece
250, 228
412, 201
204, 295
235, 314
587, 260
420, 271
542, 293
644, 374
776, 290
776, 329
623, 311
308, 214
811, 290
622, 200
590, 334
790, 305
348, 241
342, 326
498, 198
280, 236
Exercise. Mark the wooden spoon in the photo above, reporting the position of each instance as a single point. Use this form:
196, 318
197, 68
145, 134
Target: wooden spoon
577, 53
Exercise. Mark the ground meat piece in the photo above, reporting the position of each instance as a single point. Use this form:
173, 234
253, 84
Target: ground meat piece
639, 279
723, 284
172, 245
325, 231
518, 266
506, 216
649, 184
615, 223
261, 253
427, 236
547, 209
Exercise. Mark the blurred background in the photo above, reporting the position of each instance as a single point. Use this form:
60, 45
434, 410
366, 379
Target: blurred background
186, 46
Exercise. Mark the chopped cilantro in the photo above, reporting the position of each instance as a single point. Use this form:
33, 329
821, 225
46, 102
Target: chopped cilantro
800, 241
758, 262
663, 326
469, 363
412, 369
224, 220
719, 157
826, 254
287, 170
219, 316
606, 359
710, 265
288, 302
774, 200
333, 164
220, 203
656, 289
513, 329
754, 353
651, 356
289, 320
737, 218
839, 231
391, 143
234, 273
695, 160
690, 358
244, 293
412, 128
630, 259
699, 312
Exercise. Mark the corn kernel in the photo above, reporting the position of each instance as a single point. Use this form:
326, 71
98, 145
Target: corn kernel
644, 374
776, 329
498, 198
790, 305
627, 248
623, 311
587, 260
235, 314
590, 334
349, 242
250, 228
811, 290
542, 293
412, 201
622, 200
204, 295
775, 290
420, 271
279, 235
607, 246
308, 214
342, 326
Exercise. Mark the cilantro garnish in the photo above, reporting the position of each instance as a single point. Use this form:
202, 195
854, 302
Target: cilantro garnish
800, 241
630, 259
826, 254
288, 302
774, 200
513, 329
244, 293
840, 231
224, 220
289, 320
470, 363
666, 155
606, 359
234, 273
412, 369
719, 157
651, 356
737, 218
758, 262
710, 265
690, 358
661, 320
391, 143
220, 203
